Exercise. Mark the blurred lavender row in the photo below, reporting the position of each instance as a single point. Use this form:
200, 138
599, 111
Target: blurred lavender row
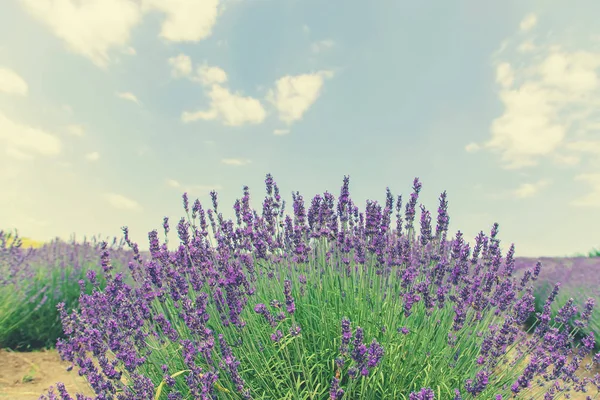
34, 280
579, 278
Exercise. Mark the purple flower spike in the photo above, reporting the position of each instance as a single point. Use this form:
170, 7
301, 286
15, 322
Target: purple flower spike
289, 300
277, 336
335, 393
346, 335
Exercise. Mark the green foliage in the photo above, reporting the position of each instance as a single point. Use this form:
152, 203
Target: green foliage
594, 253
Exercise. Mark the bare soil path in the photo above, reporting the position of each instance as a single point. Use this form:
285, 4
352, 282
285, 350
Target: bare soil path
26, 376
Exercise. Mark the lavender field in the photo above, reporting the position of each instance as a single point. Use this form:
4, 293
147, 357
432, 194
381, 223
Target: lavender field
327, 301
299, 200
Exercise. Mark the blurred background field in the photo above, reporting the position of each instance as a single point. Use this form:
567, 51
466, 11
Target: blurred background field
579, 278
35, 277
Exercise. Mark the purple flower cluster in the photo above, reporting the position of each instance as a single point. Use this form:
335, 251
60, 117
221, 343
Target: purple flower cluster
289, 300
364, 357
346, 335
262, 310
336, 392
423, 394
232, 364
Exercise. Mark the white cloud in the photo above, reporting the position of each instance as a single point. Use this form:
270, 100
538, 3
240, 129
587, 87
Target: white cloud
528, 127
210, 75
181, 65
585, 146
205, 74
90, 28
76, 130
574, 72
530, 189
235, 161
504, 75
93, 156
121, 202
567, 160
526, 47
130, 51
280, 132
22, 141
128, 96
208, 115
12, 83
592, 199
93, 28
548, 96
232, 108
322, 45
17, 154
293, 95
173, 183
528, 22
472, 148
186, 20
305, 29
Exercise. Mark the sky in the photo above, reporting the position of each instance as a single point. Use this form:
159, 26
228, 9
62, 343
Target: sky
111, 109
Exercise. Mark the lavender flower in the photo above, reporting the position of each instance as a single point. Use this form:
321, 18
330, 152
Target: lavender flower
346, 335
277, 336
423, 394
335, 393
289, 300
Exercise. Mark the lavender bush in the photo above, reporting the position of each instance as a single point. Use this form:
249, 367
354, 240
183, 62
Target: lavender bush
328, 302
34, 281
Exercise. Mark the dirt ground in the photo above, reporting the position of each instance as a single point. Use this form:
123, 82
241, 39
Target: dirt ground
26, 376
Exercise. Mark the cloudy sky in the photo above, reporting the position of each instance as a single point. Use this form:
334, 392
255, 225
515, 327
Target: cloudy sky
111, 109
